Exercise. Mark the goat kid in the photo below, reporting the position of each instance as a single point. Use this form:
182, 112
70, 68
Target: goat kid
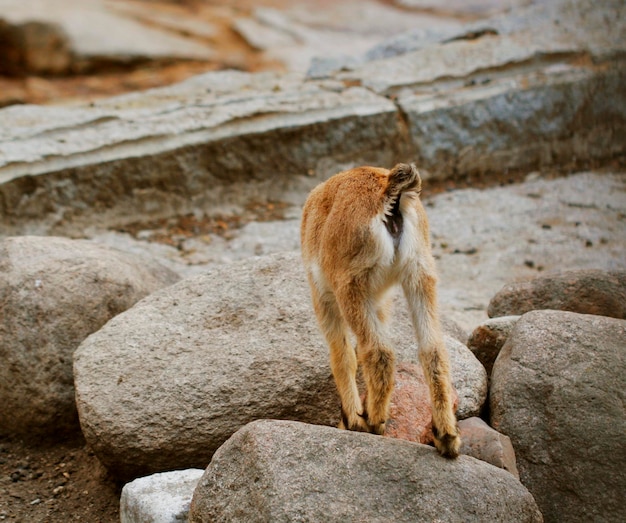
363, 231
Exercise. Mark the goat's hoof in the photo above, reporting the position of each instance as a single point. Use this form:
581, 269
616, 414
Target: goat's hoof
448, 444
357, 424
377, 428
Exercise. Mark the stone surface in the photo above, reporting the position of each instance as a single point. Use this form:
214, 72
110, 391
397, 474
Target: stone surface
466, 7
288, 471
488, 338
558, 392
159, 498
165, 384
54, 293
484, 239
473, 105
480, 441
537, 32
584, 291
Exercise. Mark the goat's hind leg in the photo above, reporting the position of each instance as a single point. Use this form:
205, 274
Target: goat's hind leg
376, 359
421, 296
343, 362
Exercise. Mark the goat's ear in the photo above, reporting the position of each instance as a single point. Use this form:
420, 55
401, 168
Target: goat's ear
404, 177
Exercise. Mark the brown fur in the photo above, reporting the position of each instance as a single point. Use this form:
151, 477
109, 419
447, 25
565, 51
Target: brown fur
363, 231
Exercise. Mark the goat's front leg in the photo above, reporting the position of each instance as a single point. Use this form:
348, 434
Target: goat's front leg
363, 314
421, 294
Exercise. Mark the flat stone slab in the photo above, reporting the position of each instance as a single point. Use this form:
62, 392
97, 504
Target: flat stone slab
184, 146
297, 33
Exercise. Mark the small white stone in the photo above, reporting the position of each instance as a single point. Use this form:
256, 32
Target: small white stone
159, 498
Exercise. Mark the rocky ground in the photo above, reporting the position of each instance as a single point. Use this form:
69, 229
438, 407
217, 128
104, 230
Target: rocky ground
485, 233
532, 226
63, 482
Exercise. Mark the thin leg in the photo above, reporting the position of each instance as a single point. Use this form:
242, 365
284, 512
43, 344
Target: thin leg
343, 362
361, 313
420, 292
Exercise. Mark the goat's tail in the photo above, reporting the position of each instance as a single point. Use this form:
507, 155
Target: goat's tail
403, 177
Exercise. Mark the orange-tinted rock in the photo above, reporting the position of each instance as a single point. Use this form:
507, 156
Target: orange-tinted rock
410, 415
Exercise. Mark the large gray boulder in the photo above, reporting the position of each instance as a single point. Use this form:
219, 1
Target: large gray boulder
558, 392
287, 471
586, 291
54, 292
165, 384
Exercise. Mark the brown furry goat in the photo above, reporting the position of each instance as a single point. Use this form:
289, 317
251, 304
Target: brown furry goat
363, 231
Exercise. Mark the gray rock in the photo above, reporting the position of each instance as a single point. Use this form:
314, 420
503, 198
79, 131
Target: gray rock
159, 498
494, 124
54, 293
298, 35
536, 33
586, 291
325, 67
558, 392
482, 442
287, 471
464, 116
407, 42
488, 338
453, 329
165, 384
519, 231
466, 7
